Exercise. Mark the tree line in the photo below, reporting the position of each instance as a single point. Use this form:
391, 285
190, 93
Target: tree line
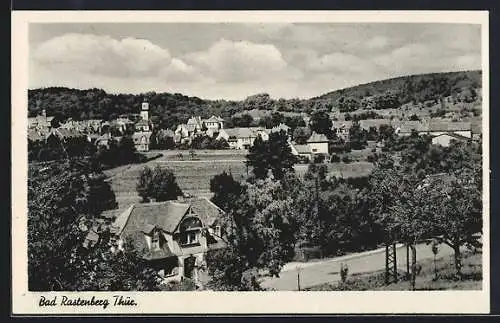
168, 110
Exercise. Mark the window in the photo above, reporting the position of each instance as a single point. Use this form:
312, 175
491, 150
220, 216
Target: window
217, 231
155, 241
314, 150
189, 237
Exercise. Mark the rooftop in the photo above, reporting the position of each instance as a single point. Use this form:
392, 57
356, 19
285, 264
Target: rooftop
317, 137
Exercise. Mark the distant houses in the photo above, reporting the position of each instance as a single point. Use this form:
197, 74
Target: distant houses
316, 144
196, 126
242, 138
97, 131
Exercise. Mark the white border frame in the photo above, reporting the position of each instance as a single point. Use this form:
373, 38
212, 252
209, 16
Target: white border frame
25, 302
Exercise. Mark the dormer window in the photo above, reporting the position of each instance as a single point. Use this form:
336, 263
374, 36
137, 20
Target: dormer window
189, 231
155, 241
217, 232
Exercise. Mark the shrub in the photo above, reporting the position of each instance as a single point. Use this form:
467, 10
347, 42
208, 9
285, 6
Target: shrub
335, 159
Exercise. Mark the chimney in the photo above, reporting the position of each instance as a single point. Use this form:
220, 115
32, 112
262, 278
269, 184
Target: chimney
44, 113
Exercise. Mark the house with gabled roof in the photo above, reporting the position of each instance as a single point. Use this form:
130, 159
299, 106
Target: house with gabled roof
173, 236
445, 139
407, 127
242, 138
318, 143
441, 126
213, 123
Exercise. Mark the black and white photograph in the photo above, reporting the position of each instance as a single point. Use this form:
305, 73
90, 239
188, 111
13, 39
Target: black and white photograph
263, 156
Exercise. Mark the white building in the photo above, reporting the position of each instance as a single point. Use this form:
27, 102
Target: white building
318, 143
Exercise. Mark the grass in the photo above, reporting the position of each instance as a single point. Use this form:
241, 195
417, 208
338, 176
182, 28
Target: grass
193, 176
471, 277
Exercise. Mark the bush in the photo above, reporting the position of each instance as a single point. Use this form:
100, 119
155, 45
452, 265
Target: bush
319, 158
335, 159
346, 159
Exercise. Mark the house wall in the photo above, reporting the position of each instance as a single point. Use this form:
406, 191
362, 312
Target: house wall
443, 140
318, 147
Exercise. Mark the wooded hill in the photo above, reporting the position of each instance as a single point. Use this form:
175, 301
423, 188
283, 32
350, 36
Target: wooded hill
169, 109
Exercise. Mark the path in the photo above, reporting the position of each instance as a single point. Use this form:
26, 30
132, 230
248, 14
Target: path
327, 271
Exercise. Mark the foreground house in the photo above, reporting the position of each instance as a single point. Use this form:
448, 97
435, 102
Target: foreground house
174, 236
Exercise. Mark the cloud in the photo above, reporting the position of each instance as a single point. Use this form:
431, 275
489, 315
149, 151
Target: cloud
417, 58
230, 61
340, 62
102, 55
377, 42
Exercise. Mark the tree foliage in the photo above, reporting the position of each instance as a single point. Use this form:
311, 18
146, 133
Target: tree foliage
158, 184
273, 155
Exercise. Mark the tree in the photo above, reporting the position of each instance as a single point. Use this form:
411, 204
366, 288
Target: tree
357, 136
320, 122
226, 190
301, 134
158, 184
126, 149
458, 213
348, 104
274, 154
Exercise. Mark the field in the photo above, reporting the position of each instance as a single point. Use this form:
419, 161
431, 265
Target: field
193, 173
342, 170
471, 277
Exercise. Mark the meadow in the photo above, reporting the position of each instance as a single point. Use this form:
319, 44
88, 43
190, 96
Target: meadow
193, 172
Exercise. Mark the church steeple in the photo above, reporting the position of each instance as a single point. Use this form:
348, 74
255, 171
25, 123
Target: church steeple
145, 110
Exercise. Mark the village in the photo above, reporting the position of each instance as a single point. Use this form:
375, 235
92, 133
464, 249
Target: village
141, 129
176, 235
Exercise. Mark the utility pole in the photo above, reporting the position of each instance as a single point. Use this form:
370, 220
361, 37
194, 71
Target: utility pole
298, 278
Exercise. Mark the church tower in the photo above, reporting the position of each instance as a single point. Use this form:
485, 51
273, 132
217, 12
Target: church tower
145, 111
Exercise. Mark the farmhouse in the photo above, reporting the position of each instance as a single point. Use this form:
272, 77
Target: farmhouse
476, 129
242, 138
444, 139
405, 128
213, 123
318, 143
174, 236
438, 127
301, 151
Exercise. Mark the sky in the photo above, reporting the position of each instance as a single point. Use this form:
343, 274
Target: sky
235, 60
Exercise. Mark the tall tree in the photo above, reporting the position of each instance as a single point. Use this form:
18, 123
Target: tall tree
274, 154
259, 233
320, 122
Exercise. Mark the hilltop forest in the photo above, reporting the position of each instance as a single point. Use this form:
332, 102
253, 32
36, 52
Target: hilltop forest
168, 110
